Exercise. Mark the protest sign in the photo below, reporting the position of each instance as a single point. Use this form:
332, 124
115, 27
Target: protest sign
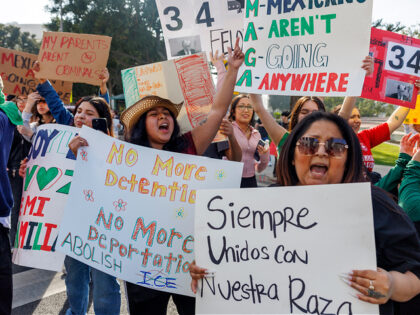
397, 67
45, 191
19, 79
283, 250
131, 210
192, 26
305, 47
413, 116
184, 79
73, 57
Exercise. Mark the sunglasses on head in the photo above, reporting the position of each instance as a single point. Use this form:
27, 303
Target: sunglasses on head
334, 147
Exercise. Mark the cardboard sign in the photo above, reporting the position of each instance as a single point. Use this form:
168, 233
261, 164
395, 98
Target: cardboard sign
397, 67
73, 57
413, 116
283, 250
192, 26
305, 47
131, 210
184, 79
45, 191
19, 79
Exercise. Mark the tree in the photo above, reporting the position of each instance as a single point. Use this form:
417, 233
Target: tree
12, 38
133, 25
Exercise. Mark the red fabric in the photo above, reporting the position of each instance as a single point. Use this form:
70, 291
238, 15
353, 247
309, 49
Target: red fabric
190, 146
370, 138
273, 149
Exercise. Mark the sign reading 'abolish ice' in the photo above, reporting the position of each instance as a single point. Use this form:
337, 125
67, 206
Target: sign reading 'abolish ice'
131, 210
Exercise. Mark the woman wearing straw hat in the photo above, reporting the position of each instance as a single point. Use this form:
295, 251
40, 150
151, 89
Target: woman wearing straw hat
151, 122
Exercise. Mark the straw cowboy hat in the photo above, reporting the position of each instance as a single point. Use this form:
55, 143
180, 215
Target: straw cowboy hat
131, 115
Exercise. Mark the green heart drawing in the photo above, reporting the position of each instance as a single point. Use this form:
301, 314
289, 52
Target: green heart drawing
44, 177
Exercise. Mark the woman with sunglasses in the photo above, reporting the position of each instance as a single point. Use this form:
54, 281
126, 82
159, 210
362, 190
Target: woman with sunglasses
242, 117
106, 289
323, 149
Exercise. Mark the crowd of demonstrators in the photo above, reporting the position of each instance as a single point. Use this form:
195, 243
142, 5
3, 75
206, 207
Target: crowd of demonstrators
316, 148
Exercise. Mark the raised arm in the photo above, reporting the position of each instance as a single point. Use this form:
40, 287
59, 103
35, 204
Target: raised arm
350, 101
275, 131
217, 61
61, 114
397, 118
204, 134
103, 90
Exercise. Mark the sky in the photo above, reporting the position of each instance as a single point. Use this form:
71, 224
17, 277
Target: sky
33, 12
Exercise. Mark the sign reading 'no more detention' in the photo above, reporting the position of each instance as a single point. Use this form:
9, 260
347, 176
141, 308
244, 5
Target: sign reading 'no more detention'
283, 250
305, 47
73, 57
131, 210
45, 191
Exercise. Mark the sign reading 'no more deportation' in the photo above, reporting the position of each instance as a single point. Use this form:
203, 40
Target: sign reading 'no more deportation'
305, 47
131, 210
283, 250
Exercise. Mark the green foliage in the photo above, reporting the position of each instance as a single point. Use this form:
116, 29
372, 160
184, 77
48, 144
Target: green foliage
133, 25
412, 31
12, 38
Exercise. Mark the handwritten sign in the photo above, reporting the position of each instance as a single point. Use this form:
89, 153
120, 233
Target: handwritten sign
45, 191
19, 79
305, 47
397, 67
184, 79
413, 116
73, 57
131, 210
283, 250
192, 26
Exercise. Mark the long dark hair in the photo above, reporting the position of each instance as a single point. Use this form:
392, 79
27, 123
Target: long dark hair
38, 117
233, 105
138, 135
101, 106
298, 107
354, 170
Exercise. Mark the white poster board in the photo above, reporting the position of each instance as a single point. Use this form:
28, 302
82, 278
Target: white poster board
305, 47
45, 191
192, 26
283, 250
131, 210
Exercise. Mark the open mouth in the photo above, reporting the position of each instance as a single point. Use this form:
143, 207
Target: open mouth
319, 170
164, 127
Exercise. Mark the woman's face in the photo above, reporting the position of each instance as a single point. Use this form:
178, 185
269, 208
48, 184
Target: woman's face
84, 115
243, 111
354, 120
159, 126
320, 168
42, 107
308, 108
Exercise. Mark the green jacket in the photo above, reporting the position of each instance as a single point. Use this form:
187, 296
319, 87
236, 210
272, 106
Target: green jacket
2, 98
409, 193
391, 180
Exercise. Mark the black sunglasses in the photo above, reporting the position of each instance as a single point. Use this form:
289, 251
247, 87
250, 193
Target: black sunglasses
334, 147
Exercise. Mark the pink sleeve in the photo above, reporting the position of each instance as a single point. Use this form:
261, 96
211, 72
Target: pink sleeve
221, 72
263, 161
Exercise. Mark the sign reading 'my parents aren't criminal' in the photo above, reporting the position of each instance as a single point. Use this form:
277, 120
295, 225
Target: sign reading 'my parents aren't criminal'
283, 250
131, 210
305, 47
19, 78
73, 57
